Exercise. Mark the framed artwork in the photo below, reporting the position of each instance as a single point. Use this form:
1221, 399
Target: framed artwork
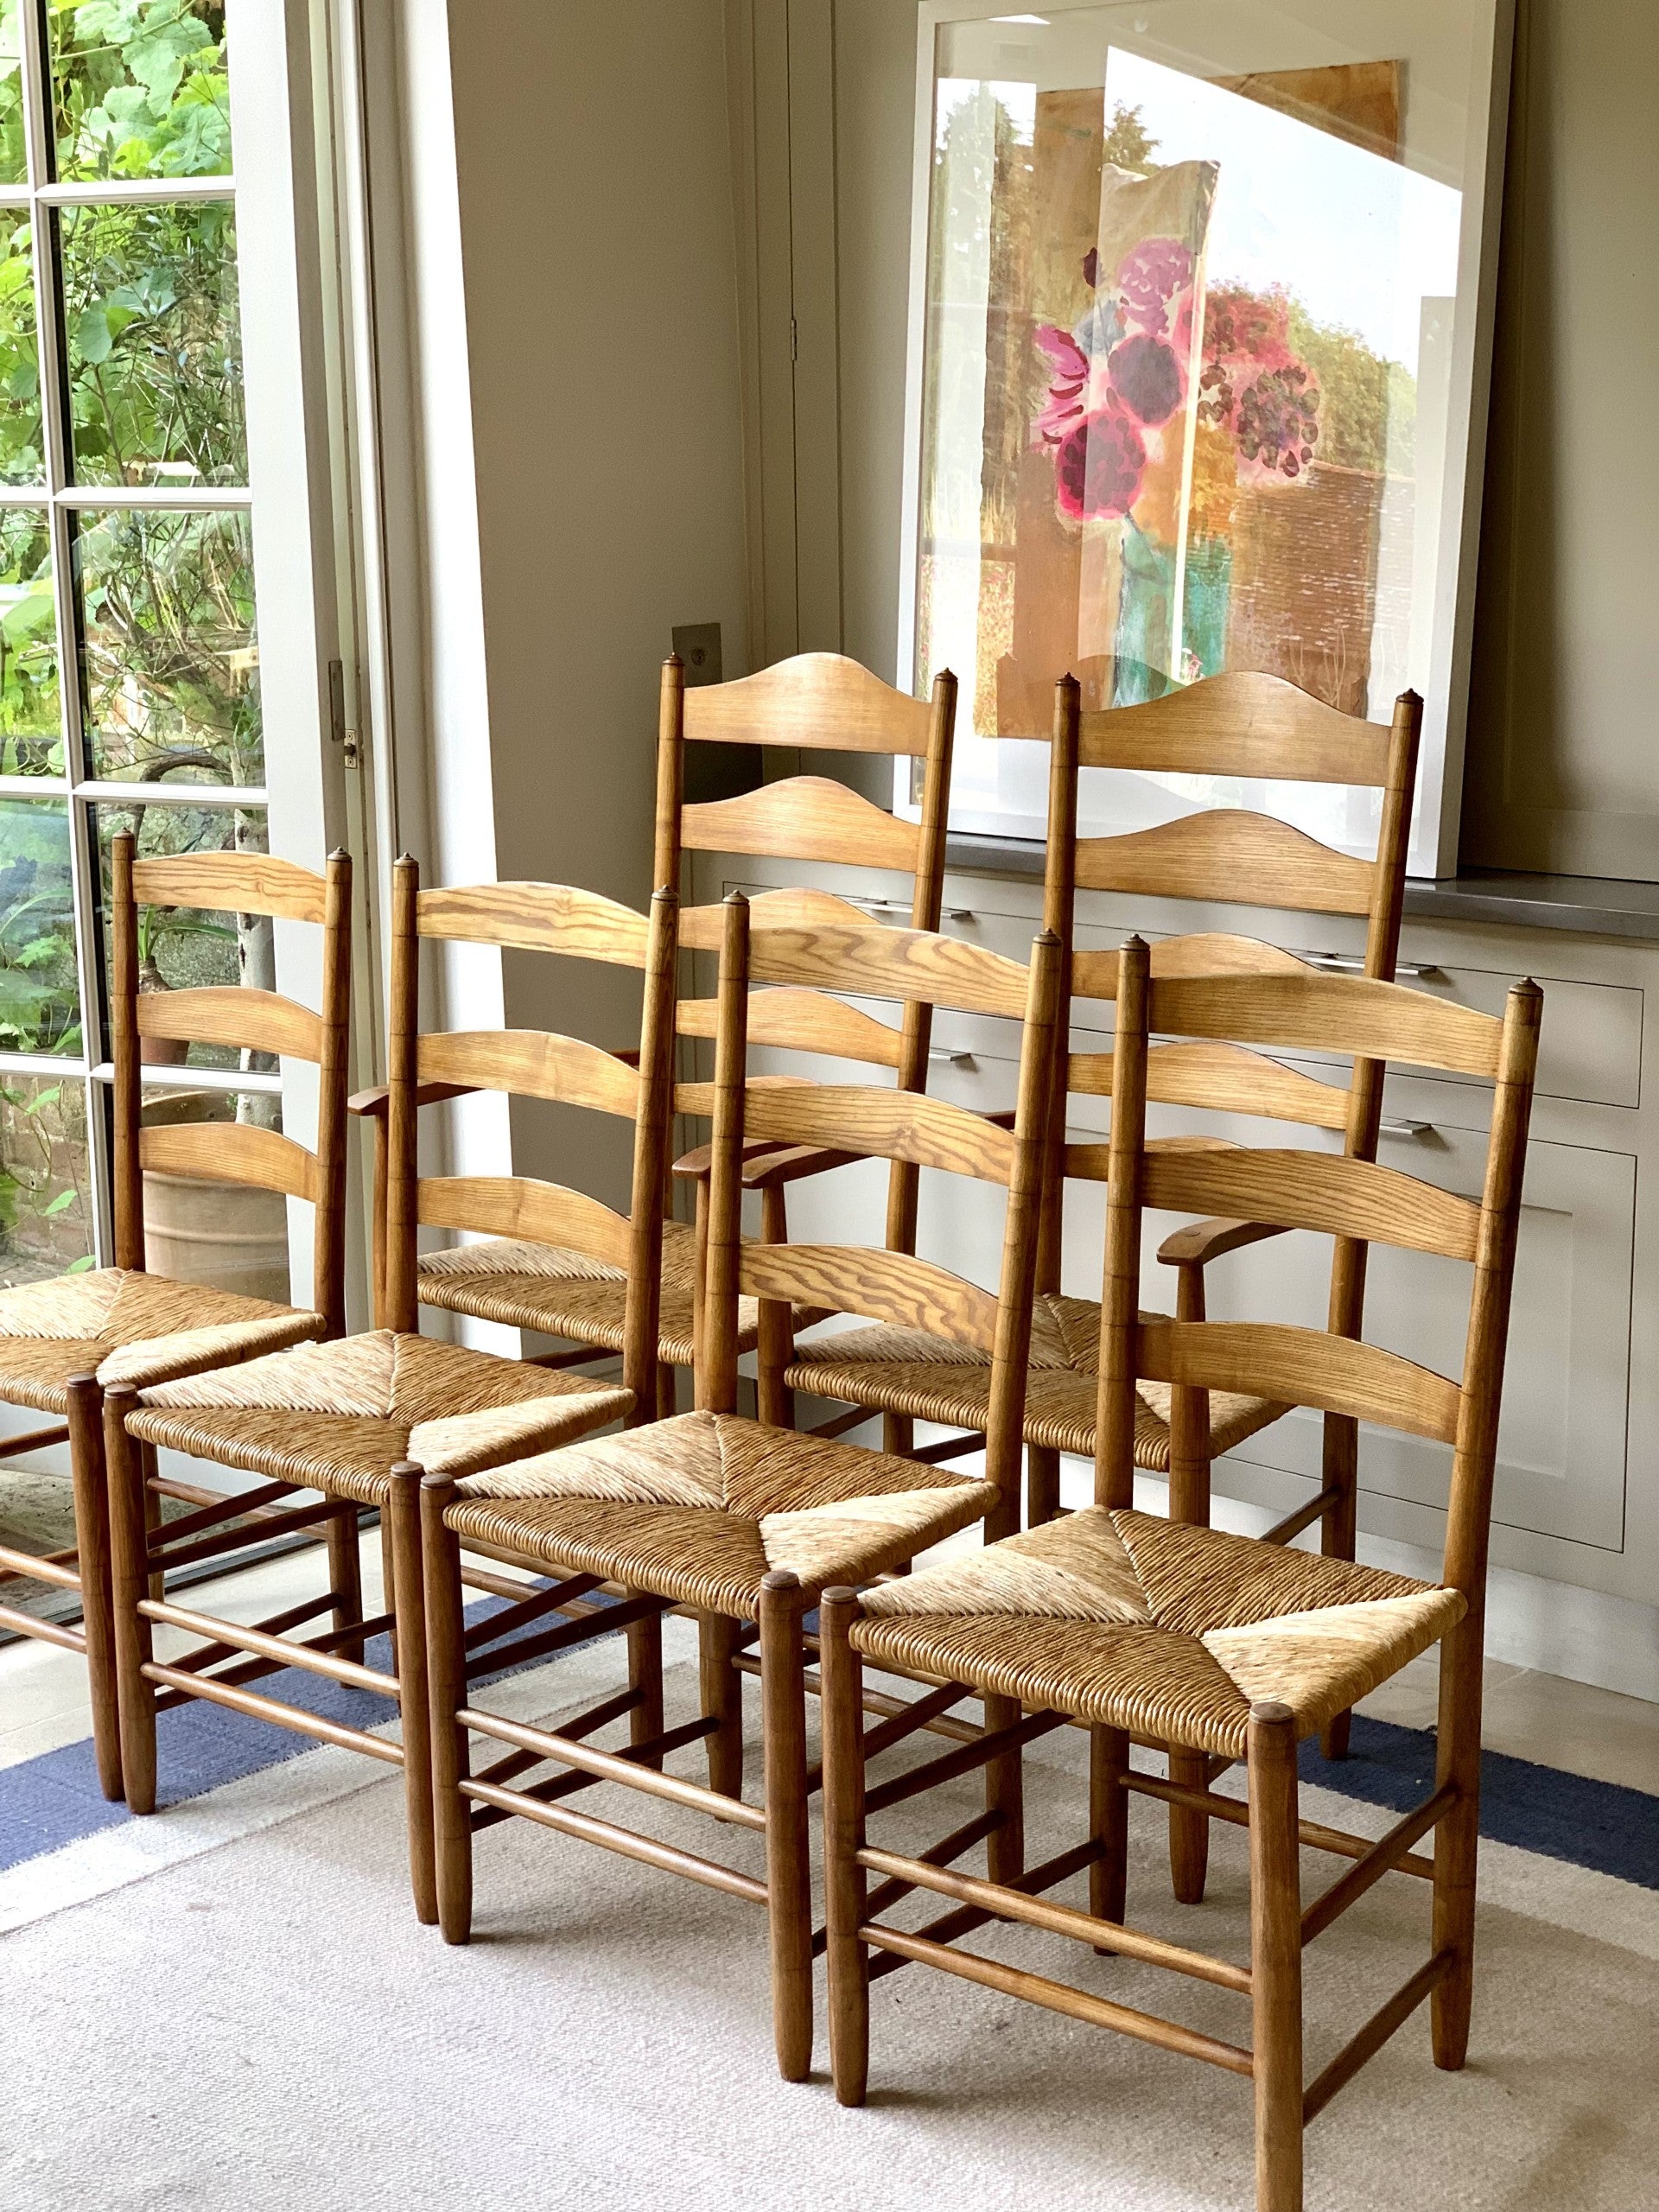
1200, 330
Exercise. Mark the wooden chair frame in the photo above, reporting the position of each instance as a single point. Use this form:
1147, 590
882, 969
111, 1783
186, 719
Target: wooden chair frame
423, 1068
1345, 1197
264, 1021
919, 1132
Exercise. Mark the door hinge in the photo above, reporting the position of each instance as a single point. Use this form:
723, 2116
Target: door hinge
344, 737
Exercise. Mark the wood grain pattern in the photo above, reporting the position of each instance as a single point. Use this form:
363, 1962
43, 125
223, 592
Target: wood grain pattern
231, 1152
1240, 723
1302, 1367
790, 1020
1314, 1189
231, 883
804, 818
818, 700
254, 1020
893, 1124
1341, 1013
1223, 853
1275, 1958
536, 917
531, 1064
521, 1206
879, 963
1228, 1078
1199, 952
892, 1287
701, 927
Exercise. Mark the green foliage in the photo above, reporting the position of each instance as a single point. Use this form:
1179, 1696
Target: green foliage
39, 1000
31, 742
1128, 144
140, 88
1367, 407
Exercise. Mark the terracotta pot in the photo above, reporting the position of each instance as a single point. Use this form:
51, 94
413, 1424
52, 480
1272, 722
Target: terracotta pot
221, 1234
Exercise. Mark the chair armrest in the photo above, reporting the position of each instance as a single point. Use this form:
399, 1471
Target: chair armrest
1200, 1242
697, 1165
794, 1164
375, 1102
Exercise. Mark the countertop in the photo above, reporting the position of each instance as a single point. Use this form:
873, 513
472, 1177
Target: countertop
1595, 906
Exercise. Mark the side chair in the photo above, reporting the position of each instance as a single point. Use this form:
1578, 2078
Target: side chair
352, 1418
737, 1521
1143, 1629
63, 1344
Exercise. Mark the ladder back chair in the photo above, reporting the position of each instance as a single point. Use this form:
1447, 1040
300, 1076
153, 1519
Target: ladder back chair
740, 1522
357, 1418
1227, 1647
64, 1343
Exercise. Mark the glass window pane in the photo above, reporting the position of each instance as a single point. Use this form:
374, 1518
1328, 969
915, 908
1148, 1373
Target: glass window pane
31, 739
40, 1001
139, 88
14, 161
21, 451
169, 660
154, 344
183, 949
198, 1230
46, 1182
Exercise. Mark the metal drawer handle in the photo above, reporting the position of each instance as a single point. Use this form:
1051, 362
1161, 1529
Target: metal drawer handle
1353, 963
943, 1058
898, 906
1403, 1129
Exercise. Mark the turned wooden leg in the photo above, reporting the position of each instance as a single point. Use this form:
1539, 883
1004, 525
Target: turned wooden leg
1004, 1847
721, 1687
93, 1564
1189, 1503
446, 1661
1108, 1821
898, 1435
1042, 1485
346, 1577
1339, 1536
1456, 1839
644, 1639
1276, 1958
789, 1884
130, 1585
667, 1392
408, 1604
388, 1576
843, 1721
157, 1577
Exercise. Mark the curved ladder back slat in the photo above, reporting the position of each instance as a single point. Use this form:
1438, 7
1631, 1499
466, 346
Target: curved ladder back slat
536, 917
529, 1064
1205, 952
1302, 1367
889, 1124
231, 883
791, 1019
877, 1286
1225, 1078
231, 1152
876, 962
1219, 854
819, 700
521, 1207
1240, 723
253, 1020
804, 818
701, 927
1318, 1190
1338, 1013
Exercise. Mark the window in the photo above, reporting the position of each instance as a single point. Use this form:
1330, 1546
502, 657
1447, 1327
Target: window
129, 659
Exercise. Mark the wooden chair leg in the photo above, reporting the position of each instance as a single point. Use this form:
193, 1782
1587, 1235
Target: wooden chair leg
446, 1657
789, 1882
722, 1689
1276, 1958
1456, 1839
668, 1401
1189, 1503
898, 1435
1339, 1536
153, 1518
408, 1602
843, 1838
93, 1564
346, 1577
1108, 1821
1042, 1485
387, 1577
129, 1584
646, 1675
1004, 1847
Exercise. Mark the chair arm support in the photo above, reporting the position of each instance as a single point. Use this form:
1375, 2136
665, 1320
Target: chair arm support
376, 1101
795, 1163
697, 1165
1200, 1242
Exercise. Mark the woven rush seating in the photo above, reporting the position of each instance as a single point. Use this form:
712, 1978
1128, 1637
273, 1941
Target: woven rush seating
929, 1378
339, 1417
1133, 1622
126, 1326
700, 1508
